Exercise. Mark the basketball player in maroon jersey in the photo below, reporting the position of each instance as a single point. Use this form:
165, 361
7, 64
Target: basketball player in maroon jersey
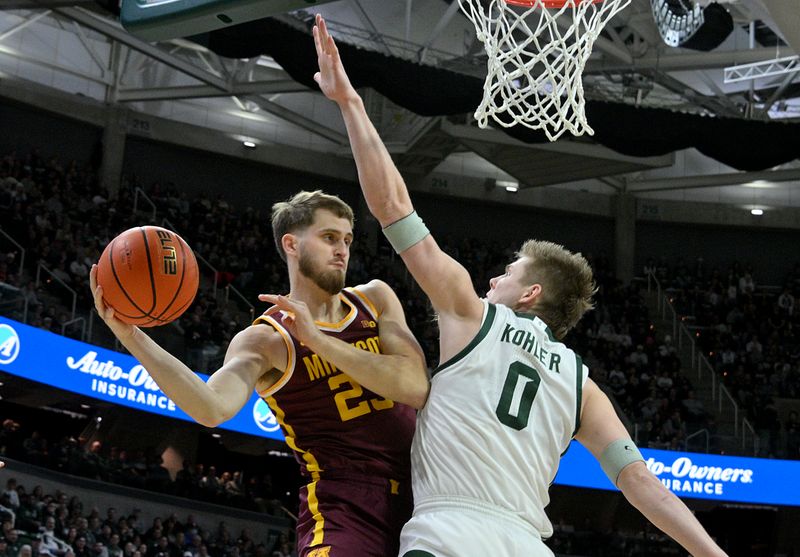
351, 438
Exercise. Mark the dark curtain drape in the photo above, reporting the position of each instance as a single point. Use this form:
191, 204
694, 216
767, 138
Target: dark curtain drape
741, 144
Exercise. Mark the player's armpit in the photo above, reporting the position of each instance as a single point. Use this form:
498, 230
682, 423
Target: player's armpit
444, 280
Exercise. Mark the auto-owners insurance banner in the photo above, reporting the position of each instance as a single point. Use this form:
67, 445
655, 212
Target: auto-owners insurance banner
106, 375
118, 378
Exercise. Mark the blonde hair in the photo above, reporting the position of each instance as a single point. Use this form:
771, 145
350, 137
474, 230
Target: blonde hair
297, 213
567, 284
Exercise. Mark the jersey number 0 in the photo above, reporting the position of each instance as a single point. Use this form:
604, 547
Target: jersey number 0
516, 372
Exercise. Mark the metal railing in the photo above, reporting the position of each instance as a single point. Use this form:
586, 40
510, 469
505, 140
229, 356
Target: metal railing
10, 305
202, 260
216, 275
21, 252
90, 326
720, 395
25, 310
701, 363
80, 320
684, 332
250, 307
139, 192
698, 433
43, 267
746, 426
724, 391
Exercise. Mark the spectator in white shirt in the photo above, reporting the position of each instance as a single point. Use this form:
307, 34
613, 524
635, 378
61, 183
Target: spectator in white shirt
786, 302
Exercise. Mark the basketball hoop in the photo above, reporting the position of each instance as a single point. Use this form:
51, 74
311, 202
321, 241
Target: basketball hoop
537, 50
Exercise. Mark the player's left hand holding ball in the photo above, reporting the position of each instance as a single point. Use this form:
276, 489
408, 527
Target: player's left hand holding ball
121, 330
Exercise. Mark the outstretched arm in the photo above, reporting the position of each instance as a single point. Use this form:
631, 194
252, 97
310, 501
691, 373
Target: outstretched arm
397, 373
600, 427
444, 280
209, 404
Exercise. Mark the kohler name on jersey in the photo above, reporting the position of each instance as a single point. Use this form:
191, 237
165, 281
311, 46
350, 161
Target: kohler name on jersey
528, 342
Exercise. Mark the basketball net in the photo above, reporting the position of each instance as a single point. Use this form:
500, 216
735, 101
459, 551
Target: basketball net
537, 50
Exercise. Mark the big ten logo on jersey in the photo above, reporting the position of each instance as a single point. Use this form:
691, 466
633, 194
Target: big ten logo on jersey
349, 397
169, 256
368, 323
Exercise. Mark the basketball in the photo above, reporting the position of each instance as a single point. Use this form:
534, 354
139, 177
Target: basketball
149, 276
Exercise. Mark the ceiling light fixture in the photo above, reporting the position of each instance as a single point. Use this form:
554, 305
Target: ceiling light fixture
757, 212
760, 184
509, 185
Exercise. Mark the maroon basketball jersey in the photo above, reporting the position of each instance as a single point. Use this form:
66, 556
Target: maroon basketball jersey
334, 425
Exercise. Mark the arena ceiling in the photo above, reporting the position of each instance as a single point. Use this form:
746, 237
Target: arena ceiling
77, 47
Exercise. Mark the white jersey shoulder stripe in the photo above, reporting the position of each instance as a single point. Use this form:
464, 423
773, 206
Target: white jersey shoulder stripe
536, 318
578, 392
488, 320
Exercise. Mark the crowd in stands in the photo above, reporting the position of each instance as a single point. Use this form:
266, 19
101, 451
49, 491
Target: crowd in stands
64, 218
643, 374
144, 469
586, 539
750, 334
56, 524
36, 523
617, 340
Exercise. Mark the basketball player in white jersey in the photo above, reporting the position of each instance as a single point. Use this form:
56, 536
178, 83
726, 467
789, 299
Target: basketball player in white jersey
508, 396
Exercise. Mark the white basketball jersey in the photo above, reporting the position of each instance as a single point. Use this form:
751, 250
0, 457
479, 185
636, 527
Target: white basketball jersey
499, 416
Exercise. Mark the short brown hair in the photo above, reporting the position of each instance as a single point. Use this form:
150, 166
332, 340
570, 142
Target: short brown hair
567, 284
297, 213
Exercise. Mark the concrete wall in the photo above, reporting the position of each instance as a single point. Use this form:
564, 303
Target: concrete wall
242, 182
25, 128
472, 218
771, 252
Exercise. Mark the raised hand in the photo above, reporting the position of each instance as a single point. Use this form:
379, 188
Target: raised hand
121, 330
331, 77
298, 320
